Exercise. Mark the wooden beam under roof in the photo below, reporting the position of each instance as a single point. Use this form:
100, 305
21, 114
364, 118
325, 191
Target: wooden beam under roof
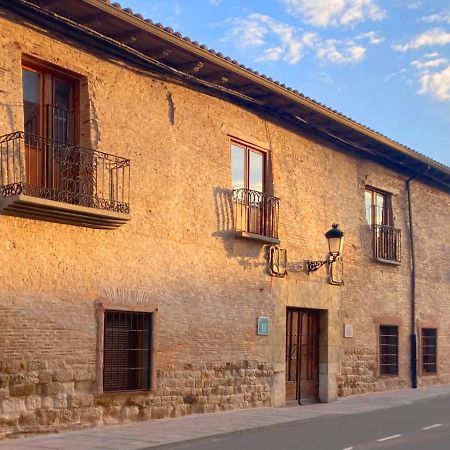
159, 52
216, 79
191, 67
91, 21
126, 38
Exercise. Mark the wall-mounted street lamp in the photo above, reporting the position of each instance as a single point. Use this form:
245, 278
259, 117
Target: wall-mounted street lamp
335, 238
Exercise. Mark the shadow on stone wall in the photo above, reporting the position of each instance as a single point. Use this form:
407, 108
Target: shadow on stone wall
246, 252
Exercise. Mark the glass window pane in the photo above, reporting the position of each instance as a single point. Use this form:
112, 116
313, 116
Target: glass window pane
368, 206
256, 171
62, 94
380, 209
238, 167
31, 101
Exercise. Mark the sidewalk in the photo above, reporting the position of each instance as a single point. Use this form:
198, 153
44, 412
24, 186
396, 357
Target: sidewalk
167, 432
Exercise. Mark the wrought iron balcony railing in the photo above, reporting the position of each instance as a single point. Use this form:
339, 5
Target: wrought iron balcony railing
53, 170
387, 243
256, 213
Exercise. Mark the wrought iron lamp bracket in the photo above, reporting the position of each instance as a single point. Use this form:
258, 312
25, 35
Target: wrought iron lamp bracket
312, 266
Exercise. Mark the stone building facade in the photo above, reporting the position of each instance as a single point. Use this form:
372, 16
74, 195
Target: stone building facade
175, 110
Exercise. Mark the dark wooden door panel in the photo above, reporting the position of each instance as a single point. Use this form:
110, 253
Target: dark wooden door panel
302, 354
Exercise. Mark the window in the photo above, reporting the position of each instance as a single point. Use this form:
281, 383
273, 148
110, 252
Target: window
378, 207
255, 211
50, 105
247, 167
429, 350
127, 351
386, 238
388, 350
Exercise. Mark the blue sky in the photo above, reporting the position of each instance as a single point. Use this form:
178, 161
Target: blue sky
385, 63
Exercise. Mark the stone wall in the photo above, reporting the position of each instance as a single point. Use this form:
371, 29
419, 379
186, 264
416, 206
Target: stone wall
178, 256
34, 399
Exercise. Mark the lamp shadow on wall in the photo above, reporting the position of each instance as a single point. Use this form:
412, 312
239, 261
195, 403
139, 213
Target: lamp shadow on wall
246, 252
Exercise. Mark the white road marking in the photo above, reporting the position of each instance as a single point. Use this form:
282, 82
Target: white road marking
432, 426
348, 448
388, 437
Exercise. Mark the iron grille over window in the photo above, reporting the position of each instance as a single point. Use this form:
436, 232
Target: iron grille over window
127, 347
388, 350
429, 350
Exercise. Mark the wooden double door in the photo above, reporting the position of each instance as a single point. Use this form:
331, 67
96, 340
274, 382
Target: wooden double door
302, 355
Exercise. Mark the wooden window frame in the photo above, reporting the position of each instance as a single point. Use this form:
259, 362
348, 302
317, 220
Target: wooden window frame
422, 371
397, 326
389, 220
103, 305
248, 147
48, 73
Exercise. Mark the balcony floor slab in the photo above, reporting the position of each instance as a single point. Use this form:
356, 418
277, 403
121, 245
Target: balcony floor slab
51, 211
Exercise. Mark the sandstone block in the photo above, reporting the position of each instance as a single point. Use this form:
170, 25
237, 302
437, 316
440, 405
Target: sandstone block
36, 365
91, 416
45, 377
13, 405
20, 390
27, 418
84, 386
111, 414
60, 401
80, 399
130, 413
33, 402
161, 412
62, 375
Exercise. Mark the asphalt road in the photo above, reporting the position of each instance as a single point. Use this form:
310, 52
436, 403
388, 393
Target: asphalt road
421, 425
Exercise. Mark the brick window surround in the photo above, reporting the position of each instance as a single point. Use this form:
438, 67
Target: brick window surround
126, 350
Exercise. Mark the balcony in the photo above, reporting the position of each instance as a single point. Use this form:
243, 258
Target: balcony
256, 215
49, 180
387, 244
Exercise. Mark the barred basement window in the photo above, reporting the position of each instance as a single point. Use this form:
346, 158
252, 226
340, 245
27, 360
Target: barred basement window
127, 347
388, 350
429, 350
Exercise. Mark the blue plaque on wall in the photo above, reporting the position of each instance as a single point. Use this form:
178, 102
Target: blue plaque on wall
263, 326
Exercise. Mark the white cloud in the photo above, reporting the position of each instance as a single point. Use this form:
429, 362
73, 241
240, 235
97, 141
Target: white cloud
436, 84
335, 51
323, 13
253, 30
415, 5
247, 32
271, 54
433, 76
430, 64
215, 2
372, 36
443, 17
257, 31
435, 36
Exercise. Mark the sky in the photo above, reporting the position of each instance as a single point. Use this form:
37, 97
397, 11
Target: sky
384, 63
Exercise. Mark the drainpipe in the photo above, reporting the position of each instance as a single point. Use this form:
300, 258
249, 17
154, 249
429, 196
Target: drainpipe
413, 340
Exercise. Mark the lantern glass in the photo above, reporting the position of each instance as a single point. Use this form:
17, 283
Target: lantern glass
335, 245
335, 239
